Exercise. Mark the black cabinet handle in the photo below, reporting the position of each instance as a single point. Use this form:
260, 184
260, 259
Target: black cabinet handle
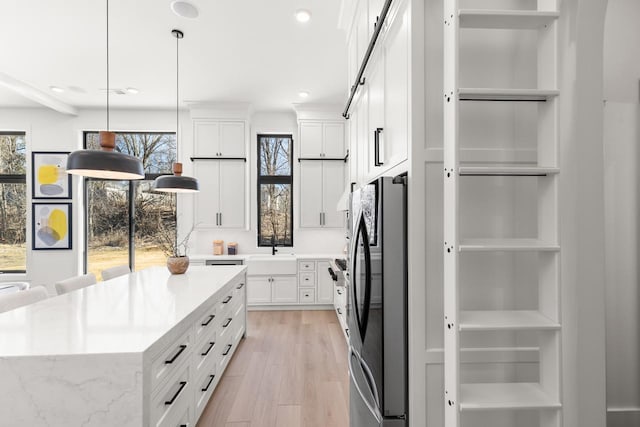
226, 323
332, 274
211, 377
211, 317
339, 311
175, 396
211, 344
227, 350
227, 299
376, 146
175, 356
240, 286
339, 291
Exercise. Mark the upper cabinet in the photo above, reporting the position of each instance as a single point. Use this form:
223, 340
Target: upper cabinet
218, 138
322, 139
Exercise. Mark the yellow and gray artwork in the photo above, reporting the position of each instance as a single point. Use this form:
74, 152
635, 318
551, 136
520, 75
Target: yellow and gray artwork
50, 179
51, 226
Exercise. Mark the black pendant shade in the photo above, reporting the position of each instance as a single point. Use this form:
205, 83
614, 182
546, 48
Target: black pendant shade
176, 183
105, 163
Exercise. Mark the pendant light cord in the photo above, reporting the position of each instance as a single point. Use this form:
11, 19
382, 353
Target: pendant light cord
107, 65
177, 90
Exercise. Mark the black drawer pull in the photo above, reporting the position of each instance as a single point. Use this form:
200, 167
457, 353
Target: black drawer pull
339, 311
175, 356
339, 291
227, 350
211, 377
227, 299
175, 396
240, 286
209, 319
211, 344
226, 323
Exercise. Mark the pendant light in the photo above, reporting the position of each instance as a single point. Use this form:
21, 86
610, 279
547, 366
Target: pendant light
105, 163
176, 183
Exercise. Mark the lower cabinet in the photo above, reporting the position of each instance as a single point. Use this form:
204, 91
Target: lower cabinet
186, 372
325, 283
276, 289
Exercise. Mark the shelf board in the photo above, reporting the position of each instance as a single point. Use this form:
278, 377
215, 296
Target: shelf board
507, 170
503, 94
506, 19
488, 320
505, 396
506, 245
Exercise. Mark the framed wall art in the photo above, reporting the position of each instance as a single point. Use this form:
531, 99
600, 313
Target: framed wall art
49, 178
51, 226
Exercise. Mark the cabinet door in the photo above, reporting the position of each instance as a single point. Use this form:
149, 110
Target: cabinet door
376, 118
333, 185
375, 9
258, 290
396, 91
325, 284
363, 133
284, 289
310, 193
206, 201
333, 140
232, 139
310, 139
353, 143
232, 193
206, 137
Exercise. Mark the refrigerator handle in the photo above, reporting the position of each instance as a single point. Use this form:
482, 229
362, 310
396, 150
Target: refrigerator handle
372, 384
374, 411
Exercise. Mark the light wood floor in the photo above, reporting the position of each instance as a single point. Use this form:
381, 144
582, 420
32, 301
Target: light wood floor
290, 371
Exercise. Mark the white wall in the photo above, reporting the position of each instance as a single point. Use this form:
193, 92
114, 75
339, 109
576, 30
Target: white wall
304, 240
622, 205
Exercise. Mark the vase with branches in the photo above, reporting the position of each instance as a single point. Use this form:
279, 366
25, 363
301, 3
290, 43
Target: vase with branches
176, 250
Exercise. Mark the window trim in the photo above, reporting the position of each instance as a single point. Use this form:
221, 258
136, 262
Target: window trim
271, 179
18, 179
130, 199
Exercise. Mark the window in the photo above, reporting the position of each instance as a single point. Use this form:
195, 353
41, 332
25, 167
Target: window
275, 185
126, 219
13, 203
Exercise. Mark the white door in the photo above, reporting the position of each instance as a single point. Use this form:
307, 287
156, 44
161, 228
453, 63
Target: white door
232, 139
310, 139
376, 119
325, 284
284, 289
206, 201
333, 185
206, 137
396, 91
232, 193
353, 144
310, 193
333, 138
258, 290
363, 135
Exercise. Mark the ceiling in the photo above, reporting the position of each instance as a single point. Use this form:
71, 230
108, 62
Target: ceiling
235, 51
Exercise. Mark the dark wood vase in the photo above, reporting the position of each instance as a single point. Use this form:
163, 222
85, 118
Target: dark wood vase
178, 264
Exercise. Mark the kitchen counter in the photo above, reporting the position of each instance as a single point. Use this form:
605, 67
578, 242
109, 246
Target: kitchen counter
281, 251
89, 357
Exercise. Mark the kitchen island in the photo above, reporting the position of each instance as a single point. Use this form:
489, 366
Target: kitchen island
145, 349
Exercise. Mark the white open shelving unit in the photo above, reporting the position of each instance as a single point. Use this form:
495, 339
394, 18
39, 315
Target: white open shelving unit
544, 395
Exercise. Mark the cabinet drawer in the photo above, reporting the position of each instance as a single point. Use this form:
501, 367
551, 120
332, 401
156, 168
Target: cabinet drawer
206, 323
172, 399
307, 279
306, 265
170, 360
205, 351
307, 296
226, 302
204, 386
184, 420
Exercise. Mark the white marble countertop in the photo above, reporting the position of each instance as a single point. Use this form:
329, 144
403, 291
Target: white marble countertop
281, 251
123, 315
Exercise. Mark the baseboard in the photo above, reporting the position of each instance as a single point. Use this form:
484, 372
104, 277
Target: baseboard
289, 307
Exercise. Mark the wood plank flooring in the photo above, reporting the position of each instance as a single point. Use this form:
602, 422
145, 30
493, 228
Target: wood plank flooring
290, 371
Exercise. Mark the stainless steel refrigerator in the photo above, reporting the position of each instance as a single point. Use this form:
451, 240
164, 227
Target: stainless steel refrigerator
377, 309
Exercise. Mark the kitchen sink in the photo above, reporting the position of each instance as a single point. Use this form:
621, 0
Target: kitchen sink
272, 264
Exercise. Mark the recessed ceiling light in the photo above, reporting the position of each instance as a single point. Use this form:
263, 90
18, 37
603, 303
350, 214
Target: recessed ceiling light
303, 15
184, 9
132, 90
303, 94
56, 89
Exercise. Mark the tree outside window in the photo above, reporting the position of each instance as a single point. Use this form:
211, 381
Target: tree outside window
275, 185
13, 202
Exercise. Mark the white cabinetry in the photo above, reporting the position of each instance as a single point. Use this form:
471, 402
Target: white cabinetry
325, 284
221, 200
216, 138
321, 186
322, 139
276, 289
